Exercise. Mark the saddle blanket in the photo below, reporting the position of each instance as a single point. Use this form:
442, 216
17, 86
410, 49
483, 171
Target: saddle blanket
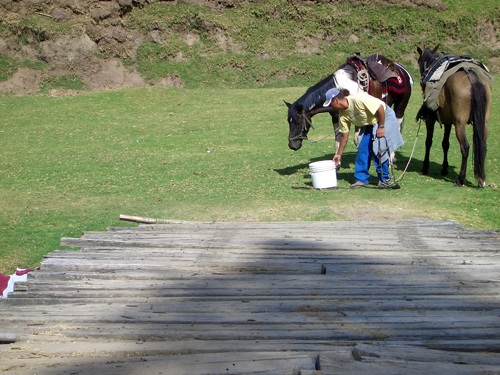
440, 66
392, 78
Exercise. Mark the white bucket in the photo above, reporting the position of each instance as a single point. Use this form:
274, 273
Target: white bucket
324, 174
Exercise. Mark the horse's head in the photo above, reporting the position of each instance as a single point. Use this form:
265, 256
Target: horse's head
304, 108
426, 58
299, 123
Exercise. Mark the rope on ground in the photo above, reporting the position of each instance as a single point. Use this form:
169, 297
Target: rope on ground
411, 156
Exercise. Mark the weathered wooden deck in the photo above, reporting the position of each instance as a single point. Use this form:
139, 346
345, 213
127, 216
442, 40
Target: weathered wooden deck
415, 297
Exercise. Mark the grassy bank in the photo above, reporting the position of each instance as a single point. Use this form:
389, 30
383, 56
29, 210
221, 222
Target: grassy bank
281, 44
264, 44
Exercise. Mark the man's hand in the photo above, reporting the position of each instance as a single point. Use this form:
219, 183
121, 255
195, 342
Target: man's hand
380, 132
336, 159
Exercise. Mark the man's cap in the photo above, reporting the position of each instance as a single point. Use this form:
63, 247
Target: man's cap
330, 94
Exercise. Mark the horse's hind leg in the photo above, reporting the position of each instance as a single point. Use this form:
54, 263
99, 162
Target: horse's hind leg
400, 123
429, 124
445, 144
464, 149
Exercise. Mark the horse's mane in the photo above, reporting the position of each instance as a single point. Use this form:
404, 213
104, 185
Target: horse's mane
316, 93
430, 56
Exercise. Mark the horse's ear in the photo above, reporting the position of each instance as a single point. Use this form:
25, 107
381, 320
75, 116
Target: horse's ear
419, 50
287, 104
435, 49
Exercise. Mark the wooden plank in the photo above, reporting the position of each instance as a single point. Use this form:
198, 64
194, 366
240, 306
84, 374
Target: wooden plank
406, 293
327, 284
129, 330
402, 297
280, 363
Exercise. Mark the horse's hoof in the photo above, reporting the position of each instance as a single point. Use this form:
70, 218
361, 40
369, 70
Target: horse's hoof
444, 172
481, 184
458, 184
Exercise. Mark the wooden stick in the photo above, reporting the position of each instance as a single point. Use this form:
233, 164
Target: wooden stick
138, 219
148, 220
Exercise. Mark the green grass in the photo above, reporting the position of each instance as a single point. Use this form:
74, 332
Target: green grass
65, 82
76, 163
8, 66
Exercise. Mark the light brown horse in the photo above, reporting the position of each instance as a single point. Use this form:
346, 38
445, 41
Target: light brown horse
465, 98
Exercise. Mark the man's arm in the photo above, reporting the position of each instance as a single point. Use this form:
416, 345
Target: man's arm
343, 142
380, 115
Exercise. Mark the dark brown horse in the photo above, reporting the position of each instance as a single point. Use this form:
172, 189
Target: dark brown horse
457, 91
376, 75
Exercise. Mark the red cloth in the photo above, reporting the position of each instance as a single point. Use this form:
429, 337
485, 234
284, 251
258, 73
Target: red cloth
7, 282
4, 283
23, 272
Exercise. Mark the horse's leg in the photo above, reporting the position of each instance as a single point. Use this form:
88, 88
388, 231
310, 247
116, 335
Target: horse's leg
429, 124
400, 123
445, 144
399, 107
464, 149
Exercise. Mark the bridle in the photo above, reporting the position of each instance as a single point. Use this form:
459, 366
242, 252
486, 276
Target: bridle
306, 125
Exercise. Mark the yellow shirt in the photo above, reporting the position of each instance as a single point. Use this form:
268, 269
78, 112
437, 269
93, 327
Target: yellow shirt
360, 111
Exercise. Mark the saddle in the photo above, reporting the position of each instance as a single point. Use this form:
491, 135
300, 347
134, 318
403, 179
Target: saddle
372, 72
377, 69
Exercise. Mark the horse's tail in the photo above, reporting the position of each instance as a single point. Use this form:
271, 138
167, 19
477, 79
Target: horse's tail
478, 119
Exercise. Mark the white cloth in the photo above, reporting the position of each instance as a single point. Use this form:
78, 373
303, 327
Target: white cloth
392, 138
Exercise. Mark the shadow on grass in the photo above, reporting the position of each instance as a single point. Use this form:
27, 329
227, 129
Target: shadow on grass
402, 162
435, 168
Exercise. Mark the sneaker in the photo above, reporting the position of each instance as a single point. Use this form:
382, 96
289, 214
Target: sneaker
384, 184
358, 184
